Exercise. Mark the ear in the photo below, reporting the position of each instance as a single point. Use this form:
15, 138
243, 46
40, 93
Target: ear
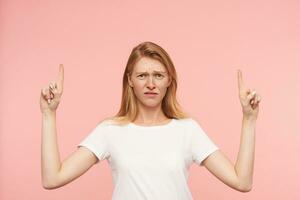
129, 80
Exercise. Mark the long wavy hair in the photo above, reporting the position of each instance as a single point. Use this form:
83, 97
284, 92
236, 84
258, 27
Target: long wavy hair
170, 106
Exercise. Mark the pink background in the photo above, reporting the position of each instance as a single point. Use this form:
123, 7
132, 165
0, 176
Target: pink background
207, 43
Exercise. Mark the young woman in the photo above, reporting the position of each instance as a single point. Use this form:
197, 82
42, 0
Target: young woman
150, 143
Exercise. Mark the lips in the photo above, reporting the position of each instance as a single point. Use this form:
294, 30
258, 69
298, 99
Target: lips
150, 93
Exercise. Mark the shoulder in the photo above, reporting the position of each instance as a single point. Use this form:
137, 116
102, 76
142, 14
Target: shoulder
105, 122
111, 122
191, 124
188, 121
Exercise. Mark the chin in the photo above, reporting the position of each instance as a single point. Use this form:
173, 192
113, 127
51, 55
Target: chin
151, 104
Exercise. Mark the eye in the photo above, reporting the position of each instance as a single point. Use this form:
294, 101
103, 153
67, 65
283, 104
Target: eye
141, 75
159, 75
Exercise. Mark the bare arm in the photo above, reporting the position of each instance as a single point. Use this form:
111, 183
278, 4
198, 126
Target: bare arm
238, 176
50, 154
54, 173
245, 160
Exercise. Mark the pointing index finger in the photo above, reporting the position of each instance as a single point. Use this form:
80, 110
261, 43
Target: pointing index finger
240, 80
60, 78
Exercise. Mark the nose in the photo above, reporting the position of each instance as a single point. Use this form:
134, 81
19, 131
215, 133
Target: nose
150, 83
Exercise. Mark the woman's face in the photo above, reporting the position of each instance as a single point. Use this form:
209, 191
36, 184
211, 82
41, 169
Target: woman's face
149, 76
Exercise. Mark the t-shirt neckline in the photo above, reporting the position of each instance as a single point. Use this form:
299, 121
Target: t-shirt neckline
153, 126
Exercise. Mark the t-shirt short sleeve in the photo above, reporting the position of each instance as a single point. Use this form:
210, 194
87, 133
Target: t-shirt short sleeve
96, 141
201, 146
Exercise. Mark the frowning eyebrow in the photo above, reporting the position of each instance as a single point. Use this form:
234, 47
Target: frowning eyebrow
163, 72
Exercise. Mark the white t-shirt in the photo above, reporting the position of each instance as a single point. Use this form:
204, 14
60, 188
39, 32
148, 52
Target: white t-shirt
150, 162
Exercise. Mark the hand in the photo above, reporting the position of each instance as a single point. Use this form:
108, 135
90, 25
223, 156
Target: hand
249, 99
51, 95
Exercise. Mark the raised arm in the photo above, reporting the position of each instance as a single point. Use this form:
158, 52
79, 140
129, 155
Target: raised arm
55, 173
239, 176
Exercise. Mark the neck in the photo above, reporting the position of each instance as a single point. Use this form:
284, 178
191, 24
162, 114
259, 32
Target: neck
150, 115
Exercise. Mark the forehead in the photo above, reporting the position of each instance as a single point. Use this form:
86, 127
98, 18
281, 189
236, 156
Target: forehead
146, 64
